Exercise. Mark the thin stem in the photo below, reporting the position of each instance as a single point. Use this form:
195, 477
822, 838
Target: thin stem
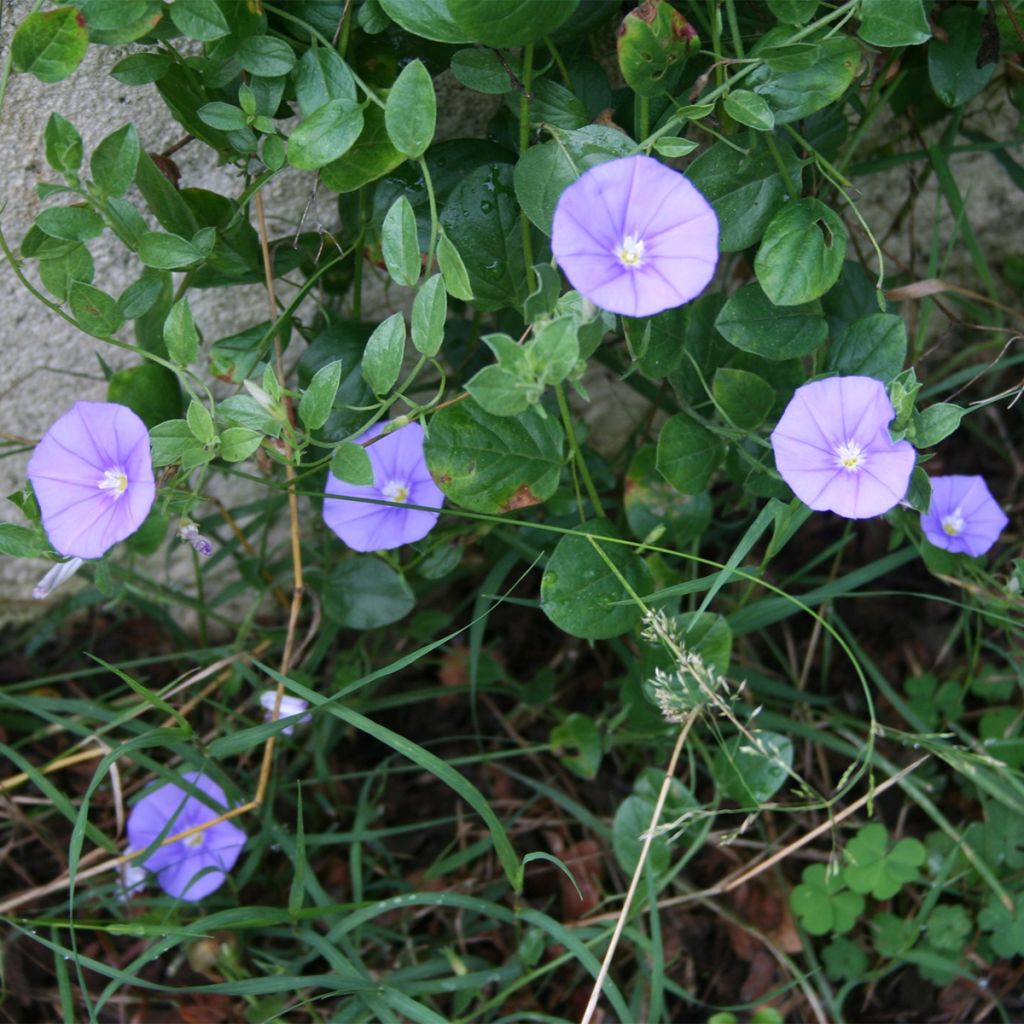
581, 463
620, 924
432, 200
524, 144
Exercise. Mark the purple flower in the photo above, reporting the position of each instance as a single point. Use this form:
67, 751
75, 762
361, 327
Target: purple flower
832, 446
289, 708
963, 517
93, 478
400, 474
189, 532
169, 810
635, 237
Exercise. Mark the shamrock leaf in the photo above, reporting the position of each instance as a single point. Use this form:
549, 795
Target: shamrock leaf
845, 960
893, 935
822, 904
875, 869
1007, 926
948, 927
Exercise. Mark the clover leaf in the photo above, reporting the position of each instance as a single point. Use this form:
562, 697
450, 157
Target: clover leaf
1007, 926
845, 960
948, 927
875, 869
823, 904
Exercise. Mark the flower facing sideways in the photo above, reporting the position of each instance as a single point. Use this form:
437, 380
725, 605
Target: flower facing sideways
195, 866
400, 475
289, 708
832, 446
963, 517
635, 237
93, 478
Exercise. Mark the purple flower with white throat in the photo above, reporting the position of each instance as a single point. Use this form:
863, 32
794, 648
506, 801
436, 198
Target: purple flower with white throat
195, 866
832, 446
400, 475
93, 478
635, 237
963, 517
288, 708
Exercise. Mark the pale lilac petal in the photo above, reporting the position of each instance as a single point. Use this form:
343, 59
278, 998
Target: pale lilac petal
398, 466
829, 423
966, 503
635, 202
88, 443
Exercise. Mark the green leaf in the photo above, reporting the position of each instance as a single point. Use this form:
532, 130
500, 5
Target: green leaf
57, 274
199, 19
116, 22
453, 270
173, 441
499, 392
801, 254
50, 44
151, 391
688, 453
370, 157
653, 42
751, 773
351, 463
164, 199
114, 161
672, 146
322, 76
225, 116
544, 172
744, 189
70, 223
934, 424
163, 251
365, 593
952, 60
893, 22
410, 114
793, 12
873, 346
750, 322
429, 312
325, 135
651, 502
872, 867
382, 358
554, 350
200, 422
491, 464
633, 819
318, 398
97, 312
21, 542
63, 145
238, 443
794, 95
504, 23
582, 594
400, 243
845, 960
428, 19
483, 71
141, 68
481, 217
822, 904
745, 398
553, 105
266, 56
576, 742
180, 334
746, 107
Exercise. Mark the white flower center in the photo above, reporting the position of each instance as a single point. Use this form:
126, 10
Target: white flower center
850, 456
631, 252
196, 840
953, 524
395, 490
114, 480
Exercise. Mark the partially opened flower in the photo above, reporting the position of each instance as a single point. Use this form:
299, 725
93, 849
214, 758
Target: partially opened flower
832, 446
289, 708
400, 475
93, 478
635, 237
963, 517
195, 866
